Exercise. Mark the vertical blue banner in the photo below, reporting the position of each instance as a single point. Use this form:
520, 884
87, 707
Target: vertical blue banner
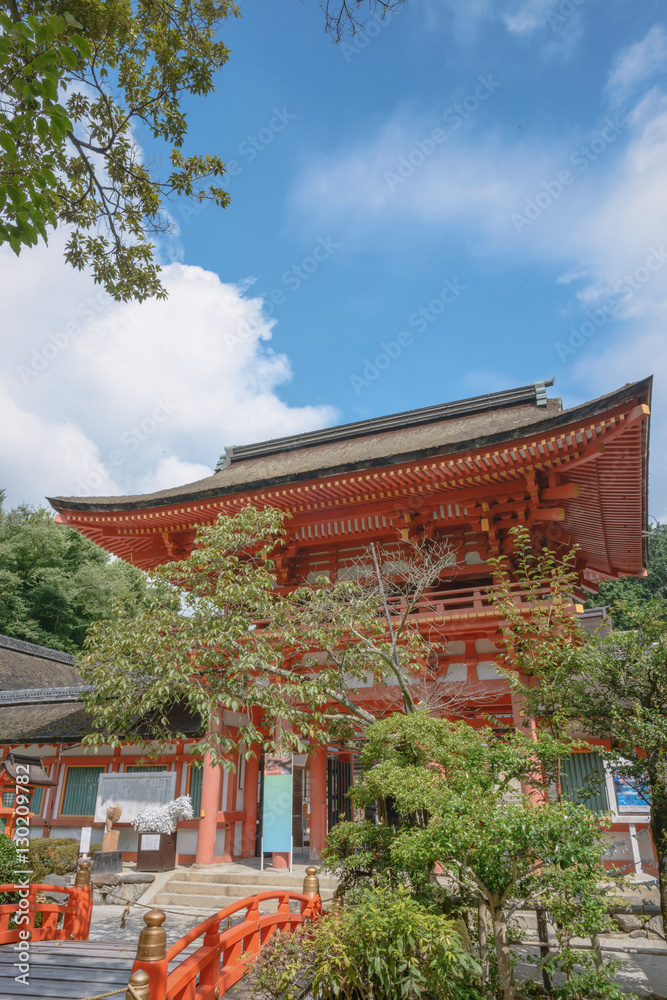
277, 808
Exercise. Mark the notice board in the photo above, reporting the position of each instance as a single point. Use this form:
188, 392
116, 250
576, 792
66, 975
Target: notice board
134, 792
277, 808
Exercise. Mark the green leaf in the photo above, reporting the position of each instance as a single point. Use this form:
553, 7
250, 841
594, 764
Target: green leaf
8, 145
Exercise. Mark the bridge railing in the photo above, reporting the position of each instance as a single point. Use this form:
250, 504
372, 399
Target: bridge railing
224, 955
68, 921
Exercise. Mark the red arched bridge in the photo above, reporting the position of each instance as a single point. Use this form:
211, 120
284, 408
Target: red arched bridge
45, 951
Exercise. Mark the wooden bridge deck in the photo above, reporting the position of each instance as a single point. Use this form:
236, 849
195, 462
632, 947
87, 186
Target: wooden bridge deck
75, 970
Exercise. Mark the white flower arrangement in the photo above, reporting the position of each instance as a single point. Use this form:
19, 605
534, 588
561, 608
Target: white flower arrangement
163, 819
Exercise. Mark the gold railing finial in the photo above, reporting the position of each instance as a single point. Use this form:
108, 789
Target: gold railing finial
311, 883
152, 945
140, 986
83, 874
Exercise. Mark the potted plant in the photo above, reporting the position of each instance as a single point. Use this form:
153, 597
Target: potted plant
156, 827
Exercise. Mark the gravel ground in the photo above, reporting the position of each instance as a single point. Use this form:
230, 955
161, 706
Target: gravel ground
645, 974
105, 925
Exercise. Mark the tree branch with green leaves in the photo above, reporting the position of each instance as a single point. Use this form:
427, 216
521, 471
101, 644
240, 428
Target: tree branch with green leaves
229, 638
83, 85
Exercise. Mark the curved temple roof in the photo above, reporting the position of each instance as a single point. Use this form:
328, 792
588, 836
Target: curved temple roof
598, 451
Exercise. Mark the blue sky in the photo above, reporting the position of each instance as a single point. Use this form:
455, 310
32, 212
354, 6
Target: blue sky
467, 197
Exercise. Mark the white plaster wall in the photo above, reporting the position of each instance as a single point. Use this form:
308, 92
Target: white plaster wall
128, 840
456, 673
186, 841
65, 831
488, 671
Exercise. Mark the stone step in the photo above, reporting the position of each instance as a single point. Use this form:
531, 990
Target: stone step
182, 888
252, 877
211, 904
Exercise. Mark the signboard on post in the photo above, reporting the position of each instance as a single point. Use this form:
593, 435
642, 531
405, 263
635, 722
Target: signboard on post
277, 807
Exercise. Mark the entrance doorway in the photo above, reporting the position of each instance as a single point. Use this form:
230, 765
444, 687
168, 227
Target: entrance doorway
301, 805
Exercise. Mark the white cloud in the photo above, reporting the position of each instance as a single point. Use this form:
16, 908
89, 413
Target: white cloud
556, 24
37, 453
469, 180
593, 203
169, 471
526, 17
602, 232
109, 398
637, 64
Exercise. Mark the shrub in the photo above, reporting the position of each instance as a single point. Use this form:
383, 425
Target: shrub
52, 855
591, 985
8, 866
8, 862
385, 945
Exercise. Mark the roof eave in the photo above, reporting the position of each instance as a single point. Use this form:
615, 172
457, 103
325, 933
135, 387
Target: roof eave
641, 390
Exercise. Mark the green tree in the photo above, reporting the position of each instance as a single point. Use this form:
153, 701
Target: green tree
633, 591
54, 582
456, 799
233, 639
614, 687
82, 82
83, 85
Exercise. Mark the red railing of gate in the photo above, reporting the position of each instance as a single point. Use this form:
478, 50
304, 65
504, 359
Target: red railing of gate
68, 921
224, 955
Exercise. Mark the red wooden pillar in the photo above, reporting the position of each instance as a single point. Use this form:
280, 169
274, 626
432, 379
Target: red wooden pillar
249, 829
210, 801
318, 802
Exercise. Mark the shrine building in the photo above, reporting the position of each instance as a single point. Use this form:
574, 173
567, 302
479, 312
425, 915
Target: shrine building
466, 472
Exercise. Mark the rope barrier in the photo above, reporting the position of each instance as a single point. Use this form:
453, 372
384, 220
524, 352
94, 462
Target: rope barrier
129, 903
124, 989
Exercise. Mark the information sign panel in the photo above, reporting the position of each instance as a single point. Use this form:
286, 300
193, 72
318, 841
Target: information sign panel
629, 798
277, 808
134, 792
150, 841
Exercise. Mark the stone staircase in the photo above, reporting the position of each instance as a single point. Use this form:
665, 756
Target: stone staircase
213, 887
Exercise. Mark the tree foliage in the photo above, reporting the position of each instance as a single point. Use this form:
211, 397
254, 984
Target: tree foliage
457, 801
386, 945
233, 639
631, 591
613, 687
54, 582
83, 85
